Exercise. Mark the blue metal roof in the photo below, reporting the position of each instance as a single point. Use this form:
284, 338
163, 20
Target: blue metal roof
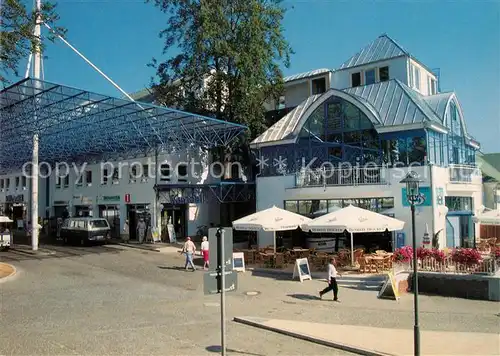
304, 75
392, 103
396, 103
78, 125
382, 48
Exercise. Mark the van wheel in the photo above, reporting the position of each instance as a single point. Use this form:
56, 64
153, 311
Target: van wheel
5, 248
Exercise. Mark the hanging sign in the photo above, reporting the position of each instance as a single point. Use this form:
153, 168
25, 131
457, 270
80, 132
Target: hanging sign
239, 261
302, 269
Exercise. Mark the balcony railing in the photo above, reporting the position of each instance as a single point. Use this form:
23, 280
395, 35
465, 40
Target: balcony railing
463, 173
340, 177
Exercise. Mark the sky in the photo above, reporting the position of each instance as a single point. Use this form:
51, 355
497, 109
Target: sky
461, 38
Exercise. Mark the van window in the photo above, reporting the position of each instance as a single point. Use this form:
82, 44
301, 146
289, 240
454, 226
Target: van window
80, 224
98, 223
73, 224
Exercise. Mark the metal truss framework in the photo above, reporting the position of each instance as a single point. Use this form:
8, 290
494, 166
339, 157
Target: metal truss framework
223, 192
78, 126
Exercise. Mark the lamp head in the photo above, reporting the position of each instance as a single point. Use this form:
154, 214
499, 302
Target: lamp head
412, 182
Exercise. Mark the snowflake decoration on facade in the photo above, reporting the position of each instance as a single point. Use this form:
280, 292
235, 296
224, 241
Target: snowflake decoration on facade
280, 163
262, 162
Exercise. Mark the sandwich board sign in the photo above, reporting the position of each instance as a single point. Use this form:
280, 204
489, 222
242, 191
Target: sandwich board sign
302, 269
390, 288
239, 261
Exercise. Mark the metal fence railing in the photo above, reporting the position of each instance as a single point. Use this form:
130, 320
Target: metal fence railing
341, 176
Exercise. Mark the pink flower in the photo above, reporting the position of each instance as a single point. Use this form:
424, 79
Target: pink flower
467, 256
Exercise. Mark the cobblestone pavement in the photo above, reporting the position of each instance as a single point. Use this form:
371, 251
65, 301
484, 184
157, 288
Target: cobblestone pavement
117, 301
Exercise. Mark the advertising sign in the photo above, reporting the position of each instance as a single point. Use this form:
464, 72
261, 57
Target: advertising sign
425, 198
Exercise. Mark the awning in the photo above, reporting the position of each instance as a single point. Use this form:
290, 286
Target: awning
76, 125
491, 217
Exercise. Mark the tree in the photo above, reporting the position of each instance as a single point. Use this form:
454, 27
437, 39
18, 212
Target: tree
228, 58
17, 38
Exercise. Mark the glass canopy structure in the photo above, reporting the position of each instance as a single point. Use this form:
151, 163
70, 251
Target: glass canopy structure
77, 125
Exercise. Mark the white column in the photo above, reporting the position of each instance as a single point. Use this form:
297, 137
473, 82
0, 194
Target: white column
37, 62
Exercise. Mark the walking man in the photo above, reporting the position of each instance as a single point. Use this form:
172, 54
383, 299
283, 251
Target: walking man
332, 282
189, 249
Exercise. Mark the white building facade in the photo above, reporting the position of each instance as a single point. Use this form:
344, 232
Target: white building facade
381, 117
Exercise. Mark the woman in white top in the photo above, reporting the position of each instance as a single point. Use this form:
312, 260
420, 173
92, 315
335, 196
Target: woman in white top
204, 252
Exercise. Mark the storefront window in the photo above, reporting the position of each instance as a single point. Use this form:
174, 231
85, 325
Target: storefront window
315, 208
305, 207
319, 207
291, 206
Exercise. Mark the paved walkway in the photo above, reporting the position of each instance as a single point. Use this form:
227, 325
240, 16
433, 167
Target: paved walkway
381, 341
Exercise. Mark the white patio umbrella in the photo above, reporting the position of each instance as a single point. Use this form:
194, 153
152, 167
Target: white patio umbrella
491, 217
353, 219
5, 219
272, 219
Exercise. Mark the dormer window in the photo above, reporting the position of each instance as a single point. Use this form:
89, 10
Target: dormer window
318, 86
383, 74
370, 77
432, 86
356, 79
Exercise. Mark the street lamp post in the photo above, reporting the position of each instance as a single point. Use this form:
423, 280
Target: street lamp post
412, 182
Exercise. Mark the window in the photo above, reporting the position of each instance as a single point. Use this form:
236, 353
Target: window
58, 182
24, 182
383, 74
417, 78
291, 206
116, 176
356, 79
182, 173
66, 181
432, 86
98, 224
17, 183
2, 184
411, 76
370, 77
79, 180
145, 173
88, 178
165, 172
318, 86
458, 203
104, 177
7, 183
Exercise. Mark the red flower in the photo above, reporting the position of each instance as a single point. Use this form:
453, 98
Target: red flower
467, 256
403, 254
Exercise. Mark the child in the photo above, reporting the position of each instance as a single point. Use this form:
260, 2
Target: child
332, 282
204, 251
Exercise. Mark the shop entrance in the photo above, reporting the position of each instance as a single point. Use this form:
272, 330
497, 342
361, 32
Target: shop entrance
176, 215
112, 214
134, 213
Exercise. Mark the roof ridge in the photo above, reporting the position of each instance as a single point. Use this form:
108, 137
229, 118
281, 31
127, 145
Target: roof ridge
395, 43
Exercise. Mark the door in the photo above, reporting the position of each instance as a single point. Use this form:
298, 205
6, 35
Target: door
176, 215
132, 221
453, 231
